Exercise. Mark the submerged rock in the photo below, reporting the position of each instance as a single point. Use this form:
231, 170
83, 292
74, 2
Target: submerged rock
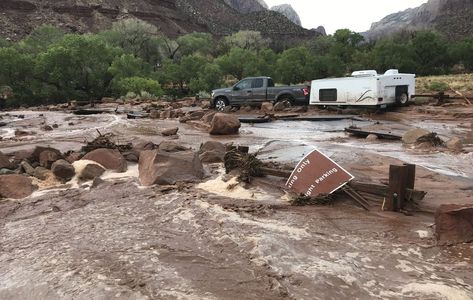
412, 136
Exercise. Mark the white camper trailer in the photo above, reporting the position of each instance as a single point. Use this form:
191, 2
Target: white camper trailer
364, 88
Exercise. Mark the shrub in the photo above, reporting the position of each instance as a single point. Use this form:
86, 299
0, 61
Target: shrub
138, 85
438, 86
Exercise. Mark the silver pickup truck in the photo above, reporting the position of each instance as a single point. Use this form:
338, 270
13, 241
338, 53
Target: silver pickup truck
255, 90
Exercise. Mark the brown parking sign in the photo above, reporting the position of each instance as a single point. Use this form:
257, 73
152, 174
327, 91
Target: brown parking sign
317, 174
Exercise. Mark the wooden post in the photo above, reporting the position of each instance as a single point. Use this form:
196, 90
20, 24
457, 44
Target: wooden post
411, 176
397, 187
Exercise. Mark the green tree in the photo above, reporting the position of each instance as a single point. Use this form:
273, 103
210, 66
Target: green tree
431, 53
462, 52
239, 63
77, 66
195, 43
128, 65
182, 73
135, 37
346, 44
40, 39
16, 71
292, 66
389, 53
209, 78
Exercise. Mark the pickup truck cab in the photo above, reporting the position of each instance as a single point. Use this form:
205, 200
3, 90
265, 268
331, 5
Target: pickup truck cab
255, 90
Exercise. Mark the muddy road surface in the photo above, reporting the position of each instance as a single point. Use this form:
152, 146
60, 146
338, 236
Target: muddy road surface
118, 240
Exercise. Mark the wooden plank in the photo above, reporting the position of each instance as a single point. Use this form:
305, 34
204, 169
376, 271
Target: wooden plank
321, 118
357, 197
381, 135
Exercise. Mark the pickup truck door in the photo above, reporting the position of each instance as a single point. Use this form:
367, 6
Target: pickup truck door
242, 92
259, 89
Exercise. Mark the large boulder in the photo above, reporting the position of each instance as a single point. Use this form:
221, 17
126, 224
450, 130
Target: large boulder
63, 170
5, 162
16, 186
108, 158
212, 152
165, 168
223, 124
412, 136
454, 224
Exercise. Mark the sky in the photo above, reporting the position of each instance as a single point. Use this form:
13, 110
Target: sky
356, 15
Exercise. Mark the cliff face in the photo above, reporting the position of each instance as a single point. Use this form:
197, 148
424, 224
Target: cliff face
172, 17
247, 6
454, 18
289, 12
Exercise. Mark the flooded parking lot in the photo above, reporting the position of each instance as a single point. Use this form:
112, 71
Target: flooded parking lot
120, 240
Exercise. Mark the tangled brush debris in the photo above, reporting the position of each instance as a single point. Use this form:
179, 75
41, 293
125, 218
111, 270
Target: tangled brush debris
431, 139
248, 164
105, 141
323, 199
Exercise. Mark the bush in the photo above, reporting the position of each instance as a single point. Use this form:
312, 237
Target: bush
438, 86
138, 86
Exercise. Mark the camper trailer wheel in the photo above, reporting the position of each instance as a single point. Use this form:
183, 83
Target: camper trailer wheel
403, 99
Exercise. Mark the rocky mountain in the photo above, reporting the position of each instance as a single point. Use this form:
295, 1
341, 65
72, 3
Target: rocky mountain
454, 18
172, 17
289, 12
247, 6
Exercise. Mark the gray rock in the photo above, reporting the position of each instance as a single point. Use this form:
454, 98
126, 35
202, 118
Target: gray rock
63, 170
91, 171
41, 173
170, 131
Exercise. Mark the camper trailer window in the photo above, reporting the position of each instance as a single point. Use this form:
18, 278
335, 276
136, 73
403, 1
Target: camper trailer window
328, 95
257, 83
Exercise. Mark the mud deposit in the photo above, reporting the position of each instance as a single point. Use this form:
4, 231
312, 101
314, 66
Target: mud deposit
122, 241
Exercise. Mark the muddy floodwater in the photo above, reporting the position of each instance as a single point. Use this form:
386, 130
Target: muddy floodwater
202, 241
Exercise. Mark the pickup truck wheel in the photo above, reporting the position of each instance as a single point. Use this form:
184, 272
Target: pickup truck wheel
403, 99
287, 99
220, 104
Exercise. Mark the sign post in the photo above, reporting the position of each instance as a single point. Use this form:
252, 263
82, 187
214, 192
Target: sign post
317, 174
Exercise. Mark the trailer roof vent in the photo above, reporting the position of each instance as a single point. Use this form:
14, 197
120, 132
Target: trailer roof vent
366, 73
392, 72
